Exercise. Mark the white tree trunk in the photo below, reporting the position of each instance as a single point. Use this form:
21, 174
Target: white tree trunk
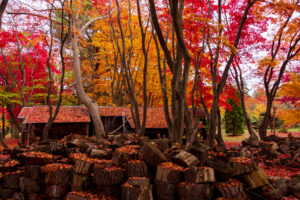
86, 100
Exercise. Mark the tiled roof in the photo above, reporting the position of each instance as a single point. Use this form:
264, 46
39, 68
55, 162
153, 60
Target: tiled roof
24, 112
66, 114
71, 114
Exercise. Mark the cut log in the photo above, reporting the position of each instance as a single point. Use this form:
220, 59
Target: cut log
199, 174
139, 181
57, 191
231, 189
36, 158
191, 191
223, 170
81, 196
186, 159
12, 179
98, 153
124, 154
242, 165
271, 147
83, 166
34, 172
30, 186
108, 176
130, 192
80, 182
164, 190
255, 179
152, 155
162, 144
101, 164
251, 141
59, 176
169, 172
137, 168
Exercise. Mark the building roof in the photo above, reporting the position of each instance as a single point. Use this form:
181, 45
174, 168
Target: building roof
73, 114
66, 114
24, 112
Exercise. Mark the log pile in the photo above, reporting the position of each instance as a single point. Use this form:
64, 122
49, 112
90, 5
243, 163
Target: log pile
131, 167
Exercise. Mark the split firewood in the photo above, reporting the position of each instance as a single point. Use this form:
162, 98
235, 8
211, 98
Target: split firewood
231, 189
199, 174
152, 154
81, 196
12, 179
139, 181
242, 165
186, 159
57, 191
80, 182
98, 153
108, 176
83, 166
57, 173
130, 192
125, 153
164, 190
191, 191
34, 172
169, 172
137, 168
255, 178
222, 168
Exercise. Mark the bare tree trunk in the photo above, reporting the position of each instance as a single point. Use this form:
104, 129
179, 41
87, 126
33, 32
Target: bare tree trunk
219, 135
2, 136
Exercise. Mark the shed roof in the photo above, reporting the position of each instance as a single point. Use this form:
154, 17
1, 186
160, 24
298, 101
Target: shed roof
24, 112
66, 114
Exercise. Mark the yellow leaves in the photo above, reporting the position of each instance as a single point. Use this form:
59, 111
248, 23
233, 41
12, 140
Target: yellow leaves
267, 61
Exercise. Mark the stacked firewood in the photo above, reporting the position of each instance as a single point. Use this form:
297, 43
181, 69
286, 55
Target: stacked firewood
131, 167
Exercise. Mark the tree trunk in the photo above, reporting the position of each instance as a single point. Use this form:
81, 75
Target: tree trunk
2, 136
86, 100
219, 136
264, 124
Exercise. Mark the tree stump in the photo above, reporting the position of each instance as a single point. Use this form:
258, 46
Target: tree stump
242, 165
199, 174
57, 191
124, 154
231, 189
152, 155
108, 176
139, 181
255, 178
137, 168
169, 172
81, 196
191, 191
80, 182
83, 166
12, 179
186, 159
130, 192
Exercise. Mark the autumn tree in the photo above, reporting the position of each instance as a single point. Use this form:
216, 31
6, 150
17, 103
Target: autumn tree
284, 49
